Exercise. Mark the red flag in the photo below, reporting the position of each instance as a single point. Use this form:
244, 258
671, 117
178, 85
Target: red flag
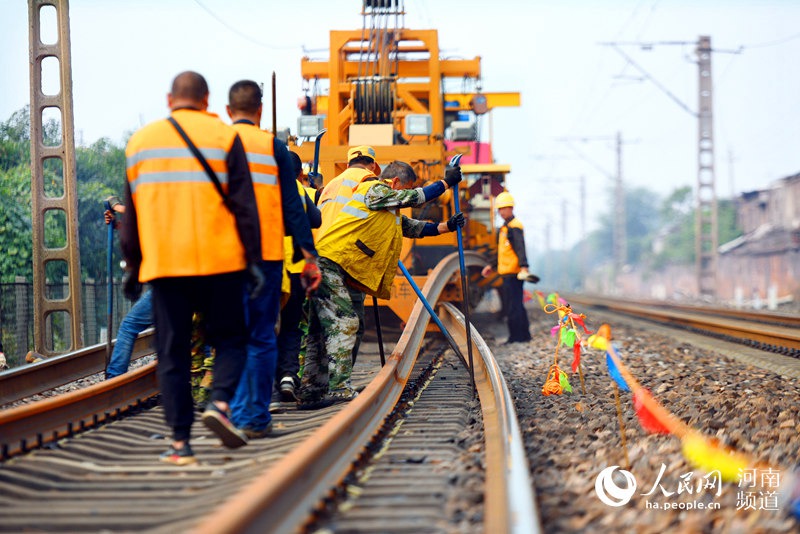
648, 421
576, 349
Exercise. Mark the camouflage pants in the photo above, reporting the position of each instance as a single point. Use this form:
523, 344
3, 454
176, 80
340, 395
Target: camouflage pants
332, 328
202, 364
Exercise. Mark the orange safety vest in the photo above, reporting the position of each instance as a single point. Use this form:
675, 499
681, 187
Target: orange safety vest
184, 228
337, 193
261, 159
507, 261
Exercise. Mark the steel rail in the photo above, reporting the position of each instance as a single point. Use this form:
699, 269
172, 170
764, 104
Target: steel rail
282, 497
38, 423
510, 505
35, 378
787, 338
768, 317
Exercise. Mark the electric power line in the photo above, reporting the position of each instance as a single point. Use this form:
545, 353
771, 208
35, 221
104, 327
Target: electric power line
241, 34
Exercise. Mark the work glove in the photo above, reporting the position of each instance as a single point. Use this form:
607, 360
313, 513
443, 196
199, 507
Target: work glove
456, 220
527, 277
310, 278
452, 176
255, 278
131, 287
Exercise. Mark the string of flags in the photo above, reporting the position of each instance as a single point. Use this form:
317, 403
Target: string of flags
700, 451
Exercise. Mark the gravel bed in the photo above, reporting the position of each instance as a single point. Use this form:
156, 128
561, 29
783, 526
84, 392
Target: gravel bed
571, 438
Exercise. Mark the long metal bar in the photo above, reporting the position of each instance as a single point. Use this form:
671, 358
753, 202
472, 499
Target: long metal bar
464, 274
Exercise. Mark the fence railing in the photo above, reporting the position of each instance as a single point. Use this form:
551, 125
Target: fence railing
16, 316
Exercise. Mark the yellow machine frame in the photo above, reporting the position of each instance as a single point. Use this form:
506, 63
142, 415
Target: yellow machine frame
416, 76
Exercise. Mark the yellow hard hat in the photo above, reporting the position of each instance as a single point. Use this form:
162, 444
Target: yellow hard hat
504, 200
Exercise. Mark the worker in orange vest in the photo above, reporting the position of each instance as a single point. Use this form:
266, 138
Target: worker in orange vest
512, 266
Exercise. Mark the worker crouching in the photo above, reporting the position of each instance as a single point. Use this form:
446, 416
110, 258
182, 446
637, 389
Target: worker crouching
361, 249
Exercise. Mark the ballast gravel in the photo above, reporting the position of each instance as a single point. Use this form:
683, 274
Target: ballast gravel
571, 438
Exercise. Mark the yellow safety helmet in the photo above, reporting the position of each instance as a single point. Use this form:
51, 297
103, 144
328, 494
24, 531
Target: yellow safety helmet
504, 200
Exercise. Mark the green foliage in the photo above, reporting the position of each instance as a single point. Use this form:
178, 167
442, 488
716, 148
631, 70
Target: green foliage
15, 224
100, 173
726, 219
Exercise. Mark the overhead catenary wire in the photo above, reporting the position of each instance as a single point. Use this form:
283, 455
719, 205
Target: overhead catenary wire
242, 34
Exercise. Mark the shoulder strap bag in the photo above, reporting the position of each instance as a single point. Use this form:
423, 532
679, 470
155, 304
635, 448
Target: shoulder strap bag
202, 160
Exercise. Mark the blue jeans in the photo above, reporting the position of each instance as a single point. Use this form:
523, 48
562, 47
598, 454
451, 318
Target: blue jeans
250, 405
139, 318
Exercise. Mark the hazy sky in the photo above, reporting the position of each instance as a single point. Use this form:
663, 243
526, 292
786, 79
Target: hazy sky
125, 53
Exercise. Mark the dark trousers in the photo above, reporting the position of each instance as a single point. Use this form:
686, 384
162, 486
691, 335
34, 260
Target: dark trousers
517, 317
219, 299
290, 335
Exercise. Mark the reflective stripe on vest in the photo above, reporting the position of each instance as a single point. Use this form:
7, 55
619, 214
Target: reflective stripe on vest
264, 169
507, 261
184, 228
365, 243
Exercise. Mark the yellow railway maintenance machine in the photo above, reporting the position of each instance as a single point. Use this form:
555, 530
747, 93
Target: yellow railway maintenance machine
386, 89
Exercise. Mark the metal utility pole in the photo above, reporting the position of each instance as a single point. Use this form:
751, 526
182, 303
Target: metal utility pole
46, 307
706, 224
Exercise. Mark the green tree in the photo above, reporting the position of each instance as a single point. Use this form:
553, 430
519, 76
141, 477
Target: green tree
100, 173
15, 223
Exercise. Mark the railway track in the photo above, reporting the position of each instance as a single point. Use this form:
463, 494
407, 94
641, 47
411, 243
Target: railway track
772, 332
93, 452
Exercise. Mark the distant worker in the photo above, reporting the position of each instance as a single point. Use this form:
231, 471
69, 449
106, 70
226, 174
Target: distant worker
192, 231
512, 266
138, 319
361, 166
290, 335
361, 249
279, 207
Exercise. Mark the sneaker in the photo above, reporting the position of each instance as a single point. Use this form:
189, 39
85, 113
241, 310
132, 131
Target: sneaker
287, 389
275, 407
252, 433
182, 456
217, 421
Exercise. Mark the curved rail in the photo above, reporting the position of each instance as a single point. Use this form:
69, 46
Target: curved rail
281, 498
510, 503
